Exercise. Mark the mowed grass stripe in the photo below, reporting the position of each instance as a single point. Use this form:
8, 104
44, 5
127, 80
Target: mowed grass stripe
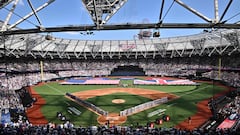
105, 102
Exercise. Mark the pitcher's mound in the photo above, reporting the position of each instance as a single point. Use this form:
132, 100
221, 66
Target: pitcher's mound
112, 119
118, 101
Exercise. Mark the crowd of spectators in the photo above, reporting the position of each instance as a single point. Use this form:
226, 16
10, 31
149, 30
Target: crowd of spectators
67, 128
232, 78
15, 82
151, 67
93, 72
230, 67
9, 99
231, 109
28, 73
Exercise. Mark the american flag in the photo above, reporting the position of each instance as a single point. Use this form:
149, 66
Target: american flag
91, 81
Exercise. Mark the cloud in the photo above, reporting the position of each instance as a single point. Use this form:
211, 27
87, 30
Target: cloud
72, 33
21, 2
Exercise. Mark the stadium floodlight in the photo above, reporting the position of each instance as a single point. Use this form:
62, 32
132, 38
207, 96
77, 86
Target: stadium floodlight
41, 28
87, 32
49, 37
156, 33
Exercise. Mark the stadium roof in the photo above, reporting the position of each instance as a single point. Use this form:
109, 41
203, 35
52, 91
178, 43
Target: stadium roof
89, 17
23, 20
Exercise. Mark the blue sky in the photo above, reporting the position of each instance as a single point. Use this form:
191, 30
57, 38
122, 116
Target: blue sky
72, 12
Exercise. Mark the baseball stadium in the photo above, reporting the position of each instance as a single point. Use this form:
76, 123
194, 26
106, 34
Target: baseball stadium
148, 85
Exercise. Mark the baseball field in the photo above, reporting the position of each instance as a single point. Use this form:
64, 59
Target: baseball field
183, 102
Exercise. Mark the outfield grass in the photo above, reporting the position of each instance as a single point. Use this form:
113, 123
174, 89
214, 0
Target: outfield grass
179, 109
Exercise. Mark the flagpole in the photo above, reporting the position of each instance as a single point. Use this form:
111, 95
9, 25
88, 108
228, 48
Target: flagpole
41, 69
219, 68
